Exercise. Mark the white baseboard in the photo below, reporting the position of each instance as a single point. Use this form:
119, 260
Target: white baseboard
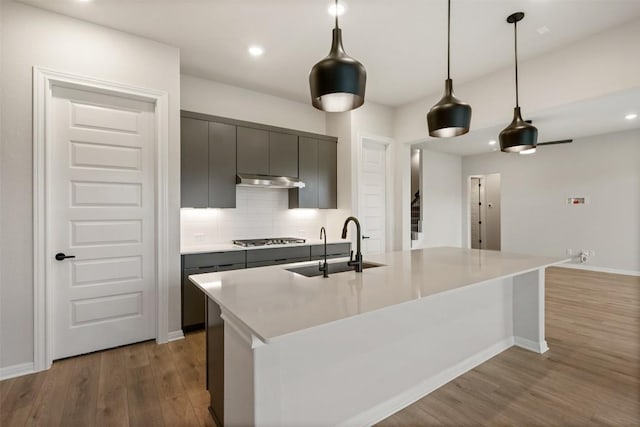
536, 347
393, 405
175, 335
600, 269
16, 370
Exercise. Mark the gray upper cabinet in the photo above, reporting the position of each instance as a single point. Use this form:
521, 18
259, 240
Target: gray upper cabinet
253, 151
215, 149
194, 163
207, 164
283, 154
318, 170
222, 165
306, 197
327, 175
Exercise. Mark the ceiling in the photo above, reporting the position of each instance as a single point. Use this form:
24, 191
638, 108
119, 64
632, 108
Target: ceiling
596, 116
401, 43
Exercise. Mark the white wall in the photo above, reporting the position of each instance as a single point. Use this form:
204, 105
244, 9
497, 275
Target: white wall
592, 67
209, 97
34, 37
441, 199
535, 216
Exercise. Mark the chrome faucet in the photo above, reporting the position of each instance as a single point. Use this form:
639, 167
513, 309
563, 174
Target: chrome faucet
357, 262
323, 266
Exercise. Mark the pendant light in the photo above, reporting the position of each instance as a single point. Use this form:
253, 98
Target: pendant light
519, 135
338, 81
450, 116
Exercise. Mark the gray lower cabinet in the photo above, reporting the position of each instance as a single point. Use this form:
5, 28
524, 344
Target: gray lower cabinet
253, 151
207, 164
275, 256
334, 250
193, 300
318, 170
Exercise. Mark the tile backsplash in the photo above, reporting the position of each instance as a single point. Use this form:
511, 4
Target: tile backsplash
259, 212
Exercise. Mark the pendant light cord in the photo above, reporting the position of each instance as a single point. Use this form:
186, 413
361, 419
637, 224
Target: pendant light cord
449, 40
336, 14
515, 30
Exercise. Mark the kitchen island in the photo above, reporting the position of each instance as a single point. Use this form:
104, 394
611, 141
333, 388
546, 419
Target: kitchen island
354, 348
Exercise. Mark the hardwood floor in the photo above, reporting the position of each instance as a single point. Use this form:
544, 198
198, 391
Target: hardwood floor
590, 377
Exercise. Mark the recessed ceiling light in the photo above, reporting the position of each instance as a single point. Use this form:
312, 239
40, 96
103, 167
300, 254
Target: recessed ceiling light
543, 30
256, 50
84, 1
529, 151
492, 142
342, 8
631, 116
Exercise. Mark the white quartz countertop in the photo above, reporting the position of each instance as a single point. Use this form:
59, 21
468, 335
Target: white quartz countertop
273, 302
226, 247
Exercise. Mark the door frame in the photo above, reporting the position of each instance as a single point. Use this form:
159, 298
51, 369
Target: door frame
43, 81
357, 175
467, 207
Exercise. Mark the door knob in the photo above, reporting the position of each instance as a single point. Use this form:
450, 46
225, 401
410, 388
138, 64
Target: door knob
60, 256
365, 237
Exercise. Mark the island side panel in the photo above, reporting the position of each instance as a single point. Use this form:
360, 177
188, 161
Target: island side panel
362, 369
215, 360
529, 311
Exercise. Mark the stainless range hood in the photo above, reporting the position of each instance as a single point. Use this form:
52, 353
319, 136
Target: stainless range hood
268, 181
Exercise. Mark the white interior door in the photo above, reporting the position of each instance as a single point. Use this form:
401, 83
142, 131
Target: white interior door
373, 205
100, 203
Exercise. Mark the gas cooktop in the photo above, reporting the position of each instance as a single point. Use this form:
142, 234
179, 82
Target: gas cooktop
270, 241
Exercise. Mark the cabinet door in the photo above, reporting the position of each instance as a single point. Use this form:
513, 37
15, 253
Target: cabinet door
253, 151
193, 299
327, 175
194, 163
306, 197
222, 165
283, 154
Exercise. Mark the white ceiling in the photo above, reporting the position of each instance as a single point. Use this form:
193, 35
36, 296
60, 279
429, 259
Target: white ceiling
402, 43
592, 117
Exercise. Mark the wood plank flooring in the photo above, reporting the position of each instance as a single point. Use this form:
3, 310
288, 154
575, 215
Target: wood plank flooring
590, 377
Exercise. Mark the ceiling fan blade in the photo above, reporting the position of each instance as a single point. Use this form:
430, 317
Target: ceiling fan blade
560, 141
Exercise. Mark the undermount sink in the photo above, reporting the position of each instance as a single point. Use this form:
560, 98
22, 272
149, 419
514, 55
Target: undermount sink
335, 267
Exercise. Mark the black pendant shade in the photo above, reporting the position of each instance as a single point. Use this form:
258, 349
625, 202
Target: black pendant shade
519, 135
338, 81
450, 116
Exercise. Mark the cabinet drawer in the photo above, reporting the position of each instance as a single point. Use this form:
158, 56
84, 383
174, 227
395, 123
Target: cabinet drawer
214, 259
266, 263
333, 250
278, 254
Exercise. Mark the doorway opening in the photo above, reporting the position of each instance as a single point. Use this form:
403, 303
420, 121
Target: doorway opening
484, 212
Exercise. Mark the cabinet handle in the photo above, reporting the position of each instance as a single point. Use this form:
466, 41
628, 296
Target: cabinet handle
281, 259
225, 265
208, 266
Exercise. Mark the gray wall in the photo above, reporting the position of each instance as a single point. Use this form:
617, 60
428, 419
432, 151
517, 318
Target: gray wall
535, 216
33, 37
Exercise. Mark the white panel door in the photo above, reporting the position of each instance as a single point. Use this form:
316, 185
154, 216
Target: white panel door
373, 198
101, 199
